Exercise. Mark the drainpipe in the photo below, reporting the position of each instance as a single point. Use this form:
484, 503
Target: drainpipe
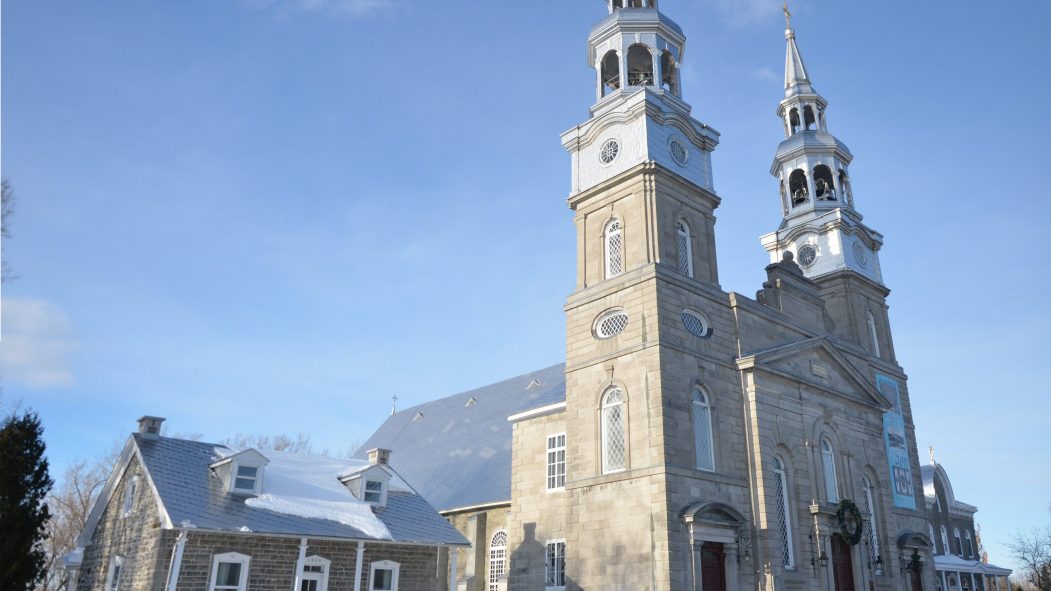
298, 580
173, 569
357, 566
453, 556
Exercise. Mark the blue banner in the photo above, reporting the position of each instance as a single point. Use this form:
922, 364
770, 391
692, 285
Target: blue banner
897, 448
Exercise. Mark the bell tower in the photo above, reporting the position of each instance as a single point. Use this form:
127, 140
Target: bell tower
821, 225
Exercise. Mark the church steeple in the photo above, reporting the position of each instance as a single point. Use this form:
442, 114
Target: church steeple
796, 79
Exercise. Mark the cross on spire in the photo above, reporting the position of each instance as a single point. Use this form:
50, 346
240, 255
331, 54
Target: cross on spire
788, 16
394, 407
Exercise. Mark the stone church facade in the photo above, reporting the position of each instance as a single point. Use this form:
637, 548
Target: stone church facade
695, 438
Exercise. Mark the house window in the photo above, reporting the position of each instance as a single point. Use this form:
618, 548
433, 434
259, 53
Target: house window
116, 565
315, 574
934, 541
614, 442
870, 506
873, 334
702, 431
246, 478
383, 576
614, 249
970, 544
682, 233
129, 496
555, 565
959, 544
497, 560
373, 492
556, 461
784, 515
945, 541
828, 461
229, 572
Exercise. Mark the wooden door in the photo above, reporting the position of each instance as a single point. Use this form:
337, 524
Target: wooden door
842, 565
917, 580
713, 567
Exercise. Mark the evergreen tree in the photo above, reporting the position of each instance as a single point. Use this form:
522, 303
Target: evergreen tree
24, 483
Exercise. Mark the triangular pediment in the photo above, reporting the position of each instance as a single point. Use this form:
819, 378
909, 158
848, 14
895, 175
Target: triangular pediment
816, 362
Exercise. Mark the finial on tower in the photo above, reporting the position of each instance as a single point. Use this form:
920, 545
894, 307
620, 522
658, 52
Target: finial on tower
930, 450
788, 16
394, 407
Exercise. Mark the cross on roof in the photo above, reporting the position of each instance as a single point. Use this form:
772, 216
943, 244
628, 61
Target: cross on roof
788, 16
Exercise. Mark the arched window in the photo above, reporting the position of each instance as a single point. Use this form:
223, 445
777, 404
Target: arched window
682, 236
610, 72
497, 560
808, 118
959, 542
797, 187
970, 544
823, 185
784, 515
669, 73
870, 506
702, 430
614, 440
828, 461
640, 66
844, 186
614, 249
873, 333
934, 541
793, 121
945, 541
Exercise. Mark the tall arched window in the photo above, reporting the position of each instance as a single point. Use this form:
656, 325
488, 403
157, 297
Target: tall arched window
614, 249
682, 236
497, 560
959, 542
702, 430
970, 544
614, 440
669, 76
784, 515
873, 334
945, 541
640, 66
610, 72
934, 541
870, 506
824, 187
828, 461
797, 187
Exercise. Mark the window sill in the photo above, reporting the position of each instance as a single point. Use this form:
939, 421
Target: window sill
556, 490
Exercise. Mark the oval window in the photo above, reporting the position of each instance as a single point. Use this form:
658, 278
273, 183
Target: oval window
696, 324
611, 324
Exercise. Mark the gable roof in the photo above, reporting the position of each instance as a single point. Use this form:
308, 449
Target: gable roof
190, 496
458, 453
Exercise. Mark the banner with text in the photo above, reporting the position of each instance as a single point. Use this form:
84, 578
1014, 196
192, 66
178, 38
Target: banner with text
897, 448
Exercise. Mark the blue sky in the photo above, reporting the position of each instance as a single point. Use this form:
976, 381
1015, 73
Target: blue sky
270, 216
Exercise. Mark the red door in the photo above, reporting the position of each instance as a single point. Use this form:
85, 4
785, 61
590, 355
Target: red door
842, 565
713, 567
917, 581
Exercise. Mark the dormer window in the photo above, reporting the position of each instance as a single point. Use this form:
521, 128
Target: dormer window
242, 472
374, 492
246, 479
368, 483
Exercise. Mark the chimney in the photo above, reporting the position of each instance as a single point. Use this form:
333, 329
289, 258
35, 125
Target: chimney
379, 456
150, 427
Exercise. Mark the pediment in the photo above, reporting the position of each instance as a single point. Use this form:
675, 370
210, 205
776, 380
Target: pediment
816, 362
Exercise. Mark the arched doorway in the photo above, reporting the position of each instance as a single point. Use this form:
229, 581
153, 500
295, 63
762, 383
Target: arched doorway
842, 565
716, 534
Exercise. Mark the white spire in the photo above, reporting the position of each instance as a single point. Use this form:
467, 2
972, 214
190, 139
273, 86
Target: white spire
796, 79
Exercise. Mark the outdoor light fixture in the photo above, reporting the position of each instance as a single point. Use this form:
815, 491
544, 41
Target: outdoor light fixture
815, 542
876, 564
744, 545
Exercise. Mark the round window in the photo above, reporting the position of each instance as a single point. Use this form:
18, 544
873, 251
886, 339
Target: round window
860, 255
807, 255
611, 324
679, 153
610, 151
696, 324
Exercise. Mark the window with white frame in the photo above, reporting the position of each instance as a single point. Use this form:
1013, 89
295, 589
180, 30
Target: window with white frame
614, 431
784, 515
116, 565
383, 576
945, 542
315, 574
614, 239
555, 565
828, 462
870, 506
556, 461
934, 541
702, 431
129, 496
873, 334
246, 478
970, 544
374, 491
959, 543
229, 572
497, 560
682, 235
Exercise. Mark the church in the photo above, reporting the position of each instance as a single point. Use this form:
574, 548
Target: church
694, 438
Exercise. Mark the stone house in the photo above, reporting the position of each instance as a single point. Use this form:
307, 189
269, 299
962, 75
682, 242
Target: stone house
184, 515
958, 562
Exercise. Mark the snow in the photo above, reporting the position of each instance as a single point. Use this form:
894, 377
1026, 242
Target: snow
308, 486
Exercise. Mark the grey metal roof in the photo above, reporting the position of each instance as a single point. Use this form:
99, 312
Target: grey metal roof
194, 498
459, 455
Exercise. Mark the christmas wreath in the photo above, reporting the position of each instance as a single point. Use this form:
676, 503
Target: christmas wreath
846, 513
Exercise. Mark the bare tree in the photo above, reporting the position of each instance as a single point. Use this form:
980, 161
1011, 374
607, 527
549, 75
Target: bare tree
1032, 549
70, 503
300, 444
7, 208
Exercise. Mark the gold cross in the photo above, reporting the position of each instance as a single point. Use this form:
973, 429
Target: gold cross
788, 16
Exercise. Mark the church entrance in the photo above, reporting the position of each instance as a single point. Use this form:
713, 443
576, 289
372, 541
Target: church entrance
713, 567
917, 580
842, 565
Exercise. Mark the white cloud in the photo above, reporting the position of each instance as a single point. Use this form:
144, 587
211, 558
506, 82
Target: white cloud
747, 12
349, 8
765, 73
35, 344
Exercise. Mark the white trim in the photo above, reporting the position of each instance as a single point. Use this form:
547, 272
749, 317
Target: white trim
467, 508
116, 564
232, 558
548, 464
706, 404
494, 577
384, 565
828, 465
541, 411
622, 403
608, 233
128, 502
257, 480
320, 577
781, 472
564, 577
683, 237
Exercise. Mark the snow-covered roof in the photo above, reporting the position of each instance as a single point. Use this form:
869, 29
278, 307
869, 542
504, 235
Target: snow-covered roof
301, 495
456, 451
950, 562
